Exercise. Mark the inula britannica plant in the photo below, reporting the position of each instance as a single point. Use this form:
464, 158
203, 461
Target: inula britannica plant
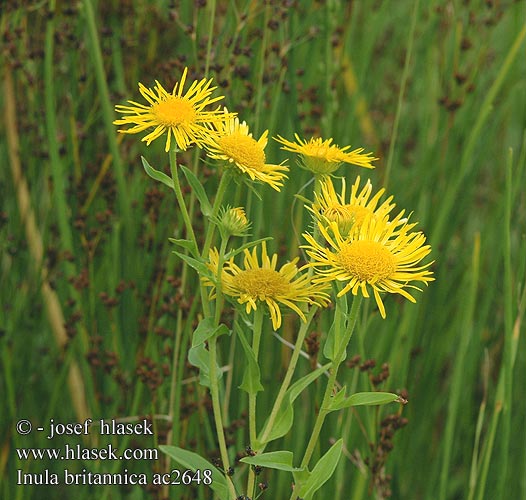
257, 298
262, 250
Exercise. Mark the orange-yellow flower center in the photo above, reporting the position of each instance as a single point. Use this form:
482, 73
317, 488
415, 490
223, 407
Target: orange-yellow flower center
174, 111
261, 283
243, 150
367, 260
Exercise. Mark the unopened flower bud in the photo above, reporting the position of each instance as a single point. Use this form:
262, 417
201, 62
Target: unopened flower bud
234, 222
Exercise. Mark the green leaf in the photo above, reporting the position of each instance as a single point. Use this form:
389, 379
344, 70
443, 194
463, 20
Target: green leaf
198, 265
338, 398
199, 191
206, 330
282, 423
251, 382
364, 398
285, 416
322, 471
333, 341
305, 200
250, 244
301, 476
281, 460
198, 356
297, 387
186, 244
195, 462
156, 174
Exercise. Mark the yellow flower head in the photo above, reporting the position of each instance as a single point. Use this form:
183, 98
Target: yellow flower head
333, 207
255, 284
235, 145
322, 157
379, 254
178, 114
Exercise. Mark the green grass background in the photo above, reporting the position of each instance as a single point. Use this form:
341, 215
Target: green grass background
436, 89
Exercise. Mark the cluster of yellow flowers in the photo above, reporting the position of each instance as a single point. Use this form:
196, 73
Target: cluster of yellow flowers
355, 242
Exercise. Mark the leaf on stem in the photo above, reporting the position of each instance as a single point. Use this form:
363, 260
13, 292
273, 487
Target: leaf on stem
336, 331
156, 174
199, 191
250, 244
251, 382
195, 462
206, 330
285, 415
186, 244
281, 460
200, 357
196, 264
321, 473
362, 399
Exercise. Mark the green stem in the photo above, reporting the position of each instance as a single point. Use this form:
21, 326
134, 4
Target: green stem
258, 323
288, 377
252, 423
180, 199
221, 189
229, 379
214, 386
324, 410
318, 179
219, 286
214, 391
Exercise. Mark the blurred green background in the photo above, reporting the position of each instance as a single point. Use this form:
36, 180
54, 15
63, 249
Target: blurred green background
91, 293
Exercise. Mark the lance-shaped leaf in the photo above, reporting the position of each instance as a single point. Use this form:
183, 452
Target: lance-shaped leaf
281, 460
198, 190
336, 331
198, 265
250, 244
186, 244
322, 471
156, 174
194, 462
285, 416
251, 378
206, 330
363, 399
198, 356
